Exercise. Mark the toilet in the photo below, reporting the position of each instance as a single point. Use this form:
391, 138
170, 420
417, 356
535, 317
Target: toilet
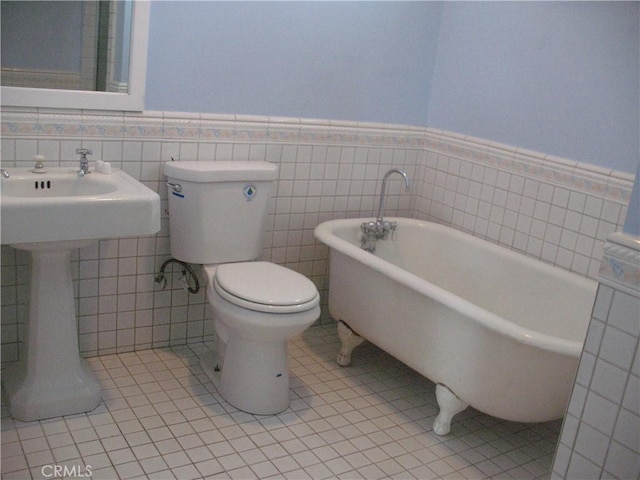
217, 215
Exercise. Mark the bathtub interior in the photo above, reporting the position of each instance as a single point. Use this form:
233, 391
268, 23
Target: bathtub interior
527, 292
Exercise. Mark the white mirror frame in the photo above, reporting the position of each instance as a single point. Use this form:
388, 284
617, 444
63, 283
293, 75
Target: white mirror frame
131, 101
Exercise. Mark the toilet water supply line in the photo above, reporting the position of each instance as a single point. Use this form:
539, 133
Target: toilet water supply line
183, 280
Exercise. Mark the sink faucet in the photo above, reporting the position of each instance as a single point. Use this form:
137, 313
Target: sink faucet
4, 173
84, 161
380, 229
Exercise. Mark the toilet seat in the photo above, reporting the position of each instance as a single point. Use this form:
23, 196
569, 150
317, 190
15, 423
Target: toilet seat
265, 287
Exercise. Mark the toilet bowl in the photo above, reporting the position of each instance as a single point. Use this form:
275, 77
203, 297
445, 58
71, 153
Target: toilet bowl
257, 307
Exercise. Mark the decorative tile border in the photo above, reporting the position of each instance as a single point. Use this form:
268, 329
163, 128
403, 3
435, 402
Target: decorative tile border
620, 268
187, 127
590, 179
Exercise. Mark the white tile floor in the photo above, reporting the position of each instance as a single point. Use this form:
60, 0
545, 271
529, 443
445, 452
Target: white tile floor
163, 419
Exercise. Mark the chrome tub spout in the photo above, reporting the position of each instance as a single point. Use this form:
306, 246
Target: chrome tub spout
380, 228
385, 179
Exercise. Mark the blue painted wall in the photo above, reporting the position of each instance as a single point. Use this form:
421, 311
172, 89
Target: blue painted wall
632, 222
561, 78
367, 61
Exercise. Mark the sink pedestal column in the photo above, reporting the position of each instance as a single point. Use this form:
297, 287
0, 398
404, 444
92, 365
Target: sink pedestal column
51, 379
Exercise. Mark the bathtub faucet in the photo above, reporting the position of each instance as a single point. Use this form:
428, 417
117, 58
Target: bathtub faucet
380, 229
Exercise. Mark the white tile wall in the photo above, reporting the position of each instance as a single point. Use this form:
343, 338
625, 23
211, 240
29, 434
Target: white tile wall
601, 432
553, 209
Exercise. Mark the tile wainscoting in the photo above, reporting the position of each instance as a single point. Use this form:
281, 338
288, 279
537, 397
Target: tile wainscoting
553, 209
600, 436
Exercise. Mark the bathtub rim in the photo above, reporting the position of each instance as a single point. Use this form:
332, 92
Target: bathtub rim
324, 233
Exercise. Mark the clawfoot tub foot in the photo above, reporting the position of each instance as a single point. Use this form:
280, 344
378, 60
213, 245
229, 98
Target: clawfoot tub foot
349, 340
449, 405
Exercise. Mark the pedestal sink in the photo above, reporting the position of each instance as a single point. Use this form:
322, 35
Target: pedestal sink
51, 215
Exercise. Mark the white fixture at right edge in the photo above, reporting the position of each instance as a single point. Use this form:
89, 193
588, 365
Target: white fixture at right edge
217, 218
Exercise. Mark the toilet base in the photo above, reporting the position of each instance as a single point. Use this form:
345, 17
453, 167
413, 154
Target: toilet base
212, 367
254, 377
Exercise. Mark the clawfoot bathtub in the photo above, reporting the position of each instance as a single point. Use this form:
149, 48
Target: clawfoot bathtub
492, 328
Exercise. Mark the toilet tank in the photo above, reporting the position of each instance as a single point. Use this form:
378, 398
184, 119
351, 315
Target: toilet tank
218, 209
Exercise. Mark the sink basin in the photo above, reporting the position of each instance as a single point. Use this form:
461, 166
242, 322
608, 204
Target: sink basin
61, 205
51, 215
58, 184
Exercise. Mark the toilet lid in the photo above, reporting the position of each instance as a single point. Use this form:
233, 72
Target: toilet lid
265, 287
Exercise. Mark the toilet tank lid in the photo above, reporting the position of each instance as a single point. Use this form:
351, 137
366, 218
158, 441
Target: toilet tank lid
220, 171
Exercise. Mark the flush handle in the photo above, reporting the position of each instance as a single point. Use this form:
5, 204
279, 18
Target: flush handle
176, 187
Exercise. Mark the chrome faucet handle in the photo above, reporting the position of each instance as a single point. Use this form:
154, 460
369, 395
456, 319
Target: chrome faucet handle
84, 161
83, 152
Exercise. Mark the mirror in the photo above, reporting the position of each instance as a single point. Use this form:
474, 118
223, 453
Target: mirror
99, 59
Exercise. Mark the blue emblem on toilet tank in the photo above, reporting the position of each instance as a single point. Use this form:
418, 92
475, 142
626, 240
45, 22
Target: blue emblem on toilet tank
250, 192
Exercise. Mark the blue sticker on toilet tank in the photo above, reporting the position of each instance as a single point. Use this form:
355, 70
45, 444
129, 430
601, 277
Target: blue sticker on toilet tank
249, 192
